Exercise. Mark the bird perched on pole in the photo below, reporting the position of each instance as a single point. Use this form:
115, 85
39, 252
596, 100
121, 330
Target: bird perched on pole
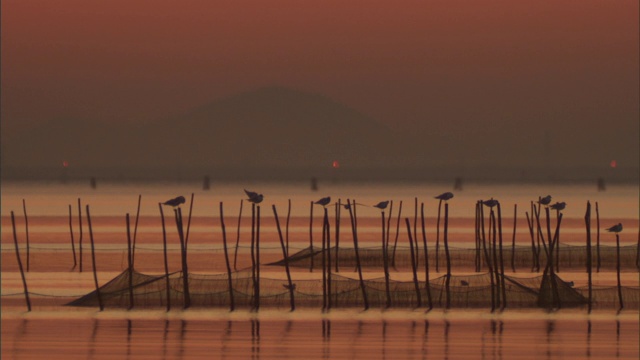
490, 203
615, 228
445, 196
175, 201
324, 201
254, 197
382, 205
559, 206
545, 200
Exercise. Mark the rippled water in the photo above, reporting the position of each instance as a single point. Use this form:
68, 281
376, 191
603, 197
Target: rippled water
330, 337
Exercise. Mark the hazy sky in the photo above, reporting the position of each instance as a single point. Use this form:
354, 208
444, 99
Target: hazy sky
433, 66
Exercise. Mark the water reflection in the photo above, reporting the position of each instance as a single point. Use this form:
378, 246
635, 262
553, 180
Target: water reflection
452, 338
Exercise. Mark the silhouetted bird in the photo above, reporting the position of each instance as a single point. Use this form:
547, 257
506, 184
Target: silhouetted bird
324, 201
382, 205
545, 200
490, 203
292, 287
615, 228
570, 283
445, 196
254, 197
464, 283
559, 206
175, 202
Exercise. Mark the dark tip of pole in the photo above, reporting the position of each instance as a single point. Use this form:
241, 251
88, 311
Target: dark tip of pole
206, 183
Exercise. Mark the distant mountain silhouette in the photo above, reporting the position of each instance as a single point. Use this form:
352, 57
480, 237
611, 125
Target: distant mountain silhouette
268, 129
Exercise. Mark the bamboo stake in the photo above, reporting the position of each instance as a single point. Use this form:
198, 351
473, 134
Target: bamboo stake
426, 259
73, 246
438, 237
354, 229
556, 246
477, 258
413, 264
130, 264
186, 238
258, 258
235, 255
504, 292
597, 238
386, 249
286, 259
183, 253
496, 262
587, 222
93, 260
415, 228
324, 262
446, 251
384, 261
26, 228
232, 305
618, 272
487, 257
24, 280
513, 239
166, 262
338, 209
533, 244
395, 244
311, 236
328, 225
80, 236
253, 254
135, 232
287, 226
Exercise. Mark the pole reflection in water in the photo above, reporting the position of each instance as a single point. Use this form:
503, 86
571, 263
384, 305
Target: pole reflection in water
92, 341
425, 338
551, 326
447, 324
255, 338
326, 338
164, 339
183, 332
384, 339
617, 338
129, 330
588, 339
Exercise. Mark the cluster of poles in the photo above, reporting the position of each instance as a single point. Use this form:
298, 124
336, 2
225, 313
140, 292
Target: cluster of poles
489, 250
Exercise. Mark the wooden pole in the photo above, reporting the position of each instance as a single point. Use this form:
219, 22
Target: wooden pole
166, 262
235, 255
26, 229
338, 209
135, 232
311, 236
258, 258
287, 226
487, 257
324, 261
183, 253
556, 246
478, 258
597, 238
618, 272
502, 285
513, 239
415, 229
24, 280
73, 246
495, 261
395, 244
413, 265
384, 261
438, 237
448, 256
93, 260
587, 222
186, 238
286, 259
426, 259
253, 254
129, 263
354, 229
80, 235
533, 244
232, 305
386, 249
328, 260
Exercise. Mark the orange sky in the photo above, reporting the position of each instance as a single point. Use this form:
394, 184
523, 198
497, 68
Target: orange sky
434, 65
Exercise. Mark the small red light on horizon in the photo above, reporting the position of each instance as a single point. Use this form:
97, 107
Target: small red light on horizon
335, 164
613, 164
65, 163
